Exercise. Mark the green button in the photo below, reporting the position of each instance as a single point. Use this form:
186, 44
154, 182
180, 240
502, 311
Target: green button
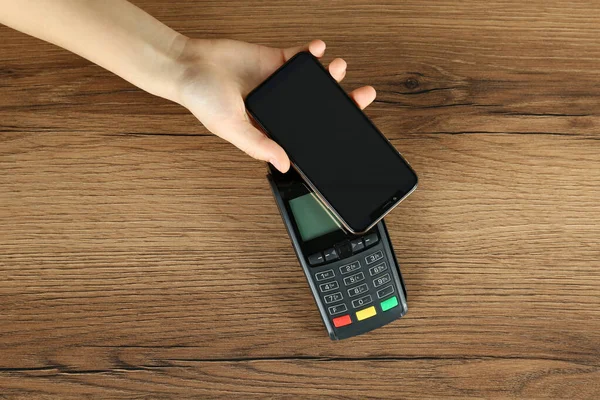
389, 303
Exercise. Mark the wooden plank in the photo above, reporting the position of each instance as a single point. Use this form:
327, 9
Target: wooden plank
494, 69
130, 243
323, 379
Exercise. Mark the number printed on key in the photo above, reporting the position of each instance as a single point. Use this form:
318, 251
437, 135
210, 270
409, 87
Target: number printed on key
321, 276
362, 301
360, 289
326, 287
382, 281
379, 268
332, 298
371, 258
346, 269
354, 279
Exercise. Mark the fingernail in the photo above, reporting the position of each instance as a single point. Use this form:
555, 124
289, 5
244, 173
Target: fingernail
275, 163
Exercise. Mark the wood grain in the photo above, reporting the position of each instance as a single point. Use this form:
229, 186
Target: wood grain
142, 257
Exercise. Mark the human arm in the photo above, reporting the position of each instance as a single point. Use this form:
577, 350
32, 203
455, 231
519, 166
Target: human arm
210, 77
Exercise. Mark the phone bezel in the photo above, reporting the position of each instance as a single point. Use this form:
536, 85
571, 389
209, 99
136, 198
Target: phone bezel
387, 205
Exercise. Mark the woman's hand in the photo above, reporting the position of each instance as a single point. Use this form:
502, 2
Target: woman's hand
217, 76
209, 77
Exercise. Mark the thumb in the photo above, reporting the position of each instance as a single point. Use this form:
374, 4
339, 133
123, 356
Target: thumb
254, 143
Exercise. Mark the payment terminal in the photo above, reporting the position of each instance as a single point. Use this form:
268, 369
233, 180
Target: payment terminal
355, 279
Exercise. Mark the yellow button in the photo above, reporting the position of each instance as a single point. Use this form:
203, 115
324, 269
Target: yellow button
366, 313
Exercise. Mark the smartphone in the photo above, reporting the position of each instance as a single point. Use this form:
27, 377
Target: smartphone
348, 163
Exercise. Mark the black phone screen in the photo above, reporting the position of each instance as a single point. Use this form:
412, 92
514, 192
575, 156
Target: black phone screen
331, 141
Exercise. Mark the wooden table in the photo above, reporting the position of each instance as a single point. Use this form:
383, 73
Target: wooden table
142, 257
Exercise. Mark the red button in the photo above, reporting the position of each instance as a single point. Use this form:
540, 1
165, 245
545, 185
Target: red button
342, 321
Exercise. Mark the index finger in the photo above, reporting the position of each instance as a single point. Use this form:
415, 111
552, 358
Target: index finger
316, 47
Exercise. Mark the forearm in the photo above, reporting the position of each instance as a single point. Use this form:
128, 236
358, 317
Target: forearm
114, 34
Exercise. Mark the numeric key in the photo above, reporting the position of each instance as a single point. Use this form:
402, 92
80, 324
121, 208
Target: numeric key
353, 266
323, 275
352, 279
332, 298
379, 268
371, 258
362, 301
329, 286
382, 280
360, 289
